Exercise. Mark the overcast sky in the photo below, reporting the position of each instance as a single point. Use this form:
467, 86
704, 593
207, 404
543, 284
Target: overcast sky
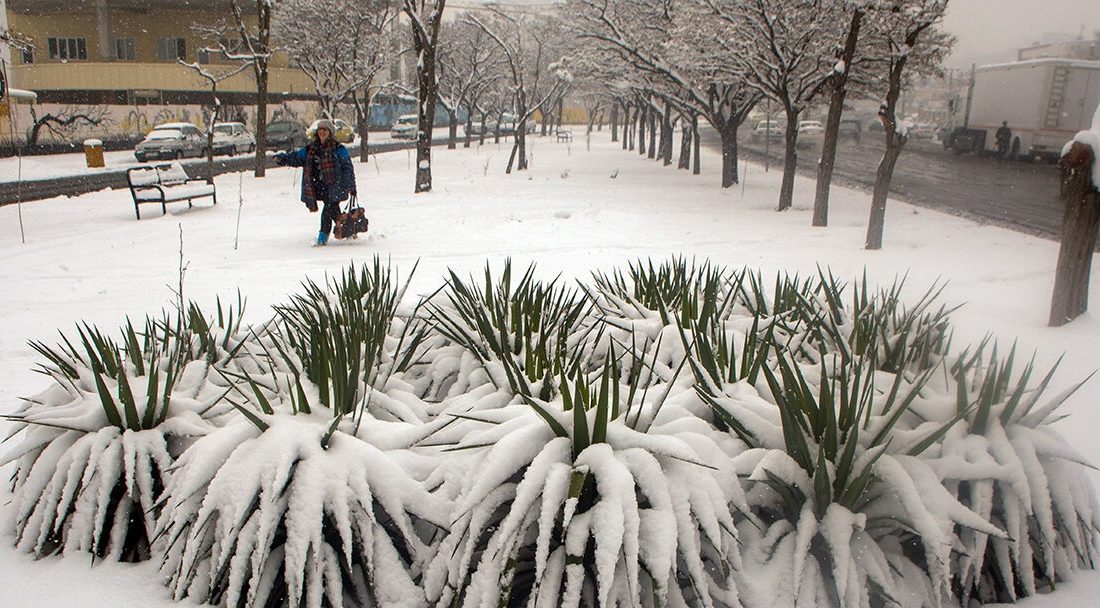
992, 30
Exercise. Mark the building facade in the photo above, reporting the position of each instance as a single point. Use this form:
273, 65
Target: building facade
127, 52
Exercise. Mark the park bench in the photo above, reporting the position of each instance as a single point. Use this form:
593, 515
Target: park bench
166, 183
564, 135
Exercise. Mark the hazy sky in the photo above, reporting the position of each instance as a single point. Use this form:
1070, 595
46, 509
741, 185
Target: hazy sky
992, 30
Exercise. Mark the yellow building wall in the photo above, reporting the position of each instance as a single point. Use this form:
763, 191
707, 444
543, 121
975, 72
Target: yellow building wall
146, 71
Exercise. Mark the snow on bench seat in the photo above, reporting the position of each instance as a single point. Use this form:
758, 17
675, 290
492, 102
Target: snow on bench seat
166, 183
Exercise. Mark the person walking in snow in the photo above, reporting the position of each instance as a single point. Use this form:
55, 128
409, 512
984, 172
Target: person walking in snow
327, 175
1003, 137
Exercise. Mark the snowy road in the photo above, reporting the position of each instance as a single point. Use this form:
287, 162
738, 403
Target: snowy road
1015, 195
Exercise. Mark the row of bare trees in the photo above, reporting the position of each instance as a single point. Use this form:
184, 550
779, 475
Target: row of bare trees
718, 59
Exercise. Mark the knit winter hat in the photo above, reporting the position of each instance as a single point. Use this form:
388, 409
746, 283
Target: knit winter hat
325, 123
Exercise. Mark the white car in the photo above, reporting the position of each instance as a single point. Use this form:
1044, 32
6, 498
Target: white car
766, 130
810, 133
405, 127
232, 138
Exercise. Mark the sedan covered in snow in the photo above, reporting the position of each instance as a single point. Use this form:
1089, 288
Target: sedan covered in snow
170, 141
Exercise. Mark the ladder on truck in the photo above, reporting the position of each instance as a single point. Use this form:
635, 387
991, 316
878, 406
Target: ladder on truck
1058, 84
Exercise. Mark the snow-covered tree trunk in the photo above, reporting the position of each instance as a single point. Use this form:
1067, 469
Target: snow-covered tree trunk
452, 128
685, 146
790, 159
426, 16
728, 133
695, 145
615, 121
1079, 233
838, 90
652, 116
666, 140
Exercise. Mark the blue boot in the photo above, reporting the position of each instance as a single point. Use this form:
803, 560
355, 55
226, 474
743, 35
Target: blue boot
322, 239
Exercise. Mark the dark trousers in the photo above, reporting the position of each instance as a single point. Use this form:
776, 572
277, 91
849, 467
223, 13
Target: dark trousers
329, 211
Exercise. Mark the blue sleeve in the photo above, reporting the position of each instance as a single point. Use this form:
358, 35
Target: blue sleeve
296, 158
347, 169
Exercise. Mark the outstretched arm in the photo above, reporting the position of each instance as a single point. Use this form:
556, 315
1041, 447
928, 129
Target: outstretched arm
296, 158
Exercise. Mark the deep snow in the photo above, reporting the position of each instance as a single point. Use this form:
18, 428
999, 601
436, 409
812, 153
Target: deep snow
87, 259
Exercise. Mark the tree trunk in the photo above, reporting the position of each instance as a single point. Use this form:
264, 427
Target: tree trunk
642, 111
1079, 228
452, 129
666, 127
790, 162
832, 124
210, 134
885, 173
426, 87
261, 118
685, 146
652, 152
521, 144
729, 154
615, 121
469, 126
628, 128
695, 169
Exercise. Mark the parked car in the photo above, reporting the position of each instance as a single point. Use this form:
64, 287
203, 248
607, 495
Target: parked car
922, 131
474, 128
171, 140
344, 133
285, 134
767, 130
850, 128
810, 133
232, 138
405, 127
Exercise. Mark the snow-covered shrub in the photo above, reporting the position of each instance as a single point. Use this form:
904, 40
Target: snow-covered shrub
524, 336
574, 503
341, 332
294, 503
97, 445
1005, 462
296, 514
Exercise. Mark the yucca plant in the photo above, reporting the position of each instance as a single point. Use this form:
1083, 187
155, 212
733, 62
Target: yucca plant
524, 335
98, 444
339, 339
1019, 474
577, 505
839, 507
295, 503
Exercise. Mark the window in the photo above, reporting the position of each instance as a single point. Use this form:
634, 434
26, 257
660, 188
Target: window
124, 49
68, 49
171, 49
28, 55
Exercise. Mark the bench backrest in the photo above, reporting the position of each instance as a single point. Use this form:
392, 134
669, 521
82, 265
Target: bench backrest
171, 173
164, 173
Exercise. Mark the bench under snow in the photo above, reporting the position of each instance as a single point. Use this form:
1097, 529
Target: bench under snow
166, 183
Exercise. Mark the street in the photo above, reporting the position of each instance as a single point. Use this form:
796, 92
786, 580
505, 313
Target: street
1016, 195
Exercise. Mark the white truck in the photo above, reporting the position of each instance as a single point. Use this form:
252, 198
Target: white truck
1044, 101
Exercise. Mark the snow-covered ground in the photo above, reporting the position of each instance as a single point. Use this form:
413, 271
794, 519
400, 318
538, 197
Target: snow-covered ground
87, 259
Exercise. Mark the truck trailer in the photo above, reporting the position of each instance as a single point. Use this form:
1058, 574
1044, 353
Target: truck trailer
1044, 101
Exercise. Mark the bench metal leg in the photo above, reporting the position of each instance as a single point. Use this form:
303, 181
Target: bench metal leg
137, 210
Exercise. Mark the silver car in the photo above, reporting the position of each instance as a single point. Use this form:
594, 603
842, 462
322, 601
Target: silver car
232, 138
170, 141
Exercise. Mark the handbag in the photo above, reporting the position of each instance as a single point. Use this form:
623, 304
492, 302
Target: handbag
350, 223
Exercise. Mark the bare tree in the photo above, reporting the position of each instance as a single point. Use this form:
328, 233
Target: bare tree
782, 49
425, 17
342, 46
906, 31
534, 76
67, 121
255, 49
213, 76
469, 65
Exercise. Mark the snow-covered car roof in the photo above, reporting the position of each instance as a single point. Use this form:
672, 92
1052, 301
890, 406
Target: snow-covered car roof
164, 134
174, 125
228, 124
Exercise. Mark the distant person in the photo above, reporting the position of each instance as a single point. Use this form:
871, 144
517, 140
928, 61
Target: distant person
1003, 138
327, 176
